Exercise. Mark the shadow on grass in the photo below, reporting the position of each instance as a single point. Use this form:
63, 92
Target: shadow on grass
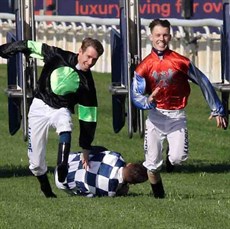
201, 166
198, 166
132, 194
8, 171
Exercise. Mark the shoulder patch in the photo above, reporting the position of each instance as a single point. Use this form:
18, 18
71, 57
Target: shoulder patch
64, 80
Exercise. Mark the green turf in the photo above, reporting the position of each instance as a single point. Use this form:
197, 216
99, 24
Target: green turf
198, 193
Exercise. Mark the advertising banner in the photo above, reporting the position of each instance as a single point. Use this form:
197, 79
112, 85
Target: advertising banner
148, 8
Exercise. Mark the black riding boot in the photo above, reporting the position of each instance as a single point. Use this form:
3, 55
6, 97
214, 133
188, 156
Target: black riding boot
158, 190
45, 186
62, 161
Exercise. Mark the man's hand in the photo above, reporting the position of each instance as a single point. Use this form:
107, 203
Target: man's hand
85, 158
2, 52
6, 50
10, 49
221, 122
153, 95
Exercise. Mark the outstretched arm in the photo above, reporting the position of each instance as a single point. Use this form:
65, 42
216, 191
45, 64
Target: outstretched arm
33, 49
210, 95
10, 49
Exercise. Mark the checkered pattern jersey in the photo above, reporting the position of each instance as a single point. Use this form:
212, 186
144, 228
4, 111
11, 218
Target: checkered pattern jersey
102, 178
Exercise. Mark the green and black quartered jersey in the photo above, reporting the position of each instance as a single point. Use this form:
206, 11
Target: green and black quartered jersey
61, 84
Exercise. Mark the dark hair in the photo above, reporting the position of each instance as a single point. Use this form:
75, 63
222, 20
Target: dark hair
163, 23
136, 173
88, 41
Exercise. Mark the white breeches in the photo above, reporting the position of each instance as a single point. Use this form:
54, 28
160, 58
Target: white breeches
161, 125
40, 118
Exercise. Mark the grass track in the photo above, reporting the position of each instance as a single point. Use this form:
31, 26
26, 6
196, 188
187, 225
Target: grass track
198, 193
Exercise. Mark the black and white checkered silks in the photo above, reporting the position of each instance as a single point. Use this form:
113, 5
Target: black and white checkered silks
102, 178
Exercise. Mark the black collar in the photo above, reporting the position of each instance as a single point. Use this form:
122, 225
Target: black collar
159, 53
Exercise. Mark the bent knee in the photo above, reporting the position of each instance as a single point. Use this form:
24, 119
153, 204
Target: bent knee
178, 159
37, 170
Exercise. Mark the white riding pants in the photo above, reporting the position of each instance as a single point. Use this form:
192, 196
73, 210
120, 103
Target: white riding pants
160, 125
40, 118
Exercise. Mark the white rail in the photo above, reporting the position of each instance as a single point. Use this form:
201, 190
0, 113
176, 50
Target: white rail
197, 39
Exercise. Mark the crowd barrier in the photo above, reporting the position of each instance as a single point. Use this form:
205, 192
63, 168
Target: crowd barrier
199, 40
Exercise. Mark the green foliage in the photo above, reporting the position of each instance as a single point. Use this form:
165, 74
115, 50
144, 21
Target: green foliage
198, 193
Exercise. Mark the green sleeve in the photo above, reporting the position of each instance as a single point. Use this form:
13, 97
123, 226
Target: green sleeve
35, 49
87, 114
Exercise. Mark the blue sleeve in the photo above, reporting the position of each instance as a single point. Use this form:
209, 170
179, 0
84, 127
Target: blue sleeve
138, 93
207, 89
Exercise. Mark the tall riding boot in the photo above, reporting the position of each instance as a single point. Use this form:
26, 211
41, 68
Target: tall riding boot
62, 161
45, 186
158, 190
156, 184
